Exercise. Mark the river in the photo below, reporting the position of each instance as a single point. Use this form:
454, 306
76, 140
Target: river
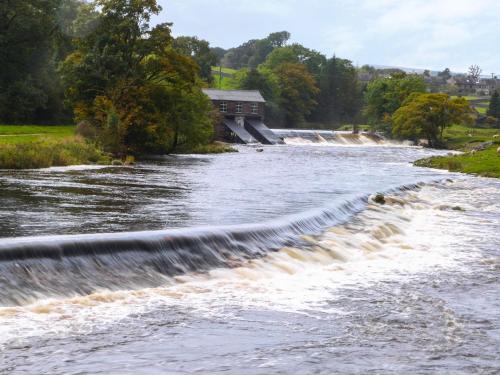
273, 262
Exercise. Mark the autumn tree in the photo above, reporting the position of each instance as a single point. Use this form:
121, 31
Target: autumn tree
427, 115
126, 80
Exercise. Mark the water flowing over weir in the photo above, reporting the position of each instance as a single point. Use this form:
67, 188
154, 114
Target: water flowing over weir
81, 264
410, 286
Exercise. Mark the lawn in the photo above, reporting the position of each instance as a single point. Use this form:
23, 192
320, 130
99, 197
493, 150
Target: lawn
17, 134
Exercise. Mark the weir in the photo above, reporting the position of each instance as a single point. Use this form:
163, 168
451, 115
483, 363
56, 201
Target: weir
81, 264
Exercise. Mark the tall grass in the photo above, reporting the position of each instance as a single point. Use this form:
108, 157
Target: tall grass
50, 152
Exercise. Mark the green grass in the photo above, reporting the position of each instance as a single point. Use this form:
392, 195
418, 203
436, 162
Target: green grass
483, 163
17, 134
459, 137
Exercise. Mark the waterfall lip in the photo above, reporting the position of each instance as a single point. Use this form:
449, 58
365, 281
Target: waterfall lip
272, 233
284, 227
55, 266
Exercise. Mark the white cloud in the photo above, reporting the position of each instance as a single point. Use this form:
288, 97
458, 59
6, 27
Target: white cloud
415, 33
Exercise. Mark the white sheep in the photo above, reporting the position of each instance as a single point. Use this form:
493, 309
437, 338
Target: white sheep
498, 150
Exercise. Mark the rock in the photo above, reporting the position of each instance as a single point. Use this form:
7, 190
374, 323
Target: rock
116, 162
379, 198
259, 150
457, 208
482, 146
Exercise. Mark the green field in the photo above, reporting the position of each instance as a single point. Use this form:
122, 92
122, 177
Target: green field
16, 134
483, 163
463, 138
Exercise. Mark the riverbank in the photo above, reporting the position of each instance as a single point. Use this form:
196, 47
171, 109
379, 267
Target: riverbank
479, 157
38, 146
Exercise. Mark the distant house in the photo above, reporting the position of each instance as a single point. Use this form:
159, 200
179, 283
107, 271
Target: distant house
465, 85
242, 116
486, 86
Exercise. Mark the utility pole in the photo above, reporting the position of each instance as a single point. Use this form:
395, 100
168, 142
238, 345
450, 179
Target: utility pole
220, 76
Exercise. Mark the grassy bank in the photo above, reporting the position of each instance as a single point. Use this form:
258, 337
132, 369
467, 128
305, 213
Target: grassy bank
45, 153
480, 162
33, 146
17, 134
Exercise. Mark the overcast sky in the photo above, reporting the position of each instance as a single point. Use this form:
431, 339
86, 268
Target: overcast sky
430, 34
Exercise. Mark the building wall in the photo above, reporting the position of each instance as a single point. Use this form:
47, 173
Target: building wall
247, 109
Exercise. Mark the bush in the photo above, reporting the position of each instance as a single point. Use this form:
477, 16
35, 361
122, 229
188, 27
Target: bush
48, 153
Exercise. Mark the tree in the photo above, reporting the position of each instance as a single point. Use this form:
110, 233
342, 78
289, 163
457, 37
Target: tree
384, 96
30, 35
199, 50
254, 52
340, 97
445, 75
296, 54
474, 73
267, 83
298, 92
126, 79
427, 115
494, 107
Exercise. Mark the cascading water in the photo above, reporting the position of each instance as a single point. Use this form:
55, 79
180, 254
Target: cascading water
293, 267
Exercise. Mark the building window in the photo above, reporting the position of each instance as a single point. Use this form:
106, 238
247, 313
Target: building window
223, 107
239, 107
255, 108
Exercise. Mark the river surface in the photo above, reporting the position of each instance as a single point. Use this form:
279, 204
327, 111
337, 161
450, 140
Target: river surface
274, 262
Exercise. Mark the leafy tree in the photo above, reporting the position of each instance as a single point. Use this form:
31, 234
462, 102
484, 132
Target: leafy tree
200, 51
445, 74
385, 95
254, 52
29, 85
296, 54
340, 97
427, 115
126, 79
298, 92
494, 107
219, 53
267, 83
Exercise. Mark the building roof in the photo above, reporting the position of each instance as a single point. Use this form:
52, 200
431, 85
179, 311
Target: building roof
235, 95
